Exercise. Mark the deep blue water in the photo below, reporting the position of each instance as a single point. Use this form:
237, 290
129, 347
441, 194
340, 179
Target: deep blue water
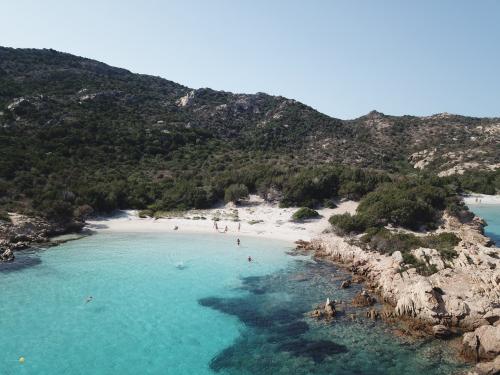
191, 304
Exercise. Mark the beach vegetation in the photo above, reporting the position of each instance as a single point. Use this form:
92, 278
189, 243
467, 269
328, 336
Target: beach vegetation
304, 213
235, 193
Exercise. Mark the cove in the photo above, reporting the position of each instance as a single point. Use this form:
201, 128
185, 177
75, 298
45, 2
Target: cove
190, 304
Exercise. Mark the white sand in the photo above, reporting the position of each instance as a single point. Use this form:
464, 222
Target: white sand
274, 222
475, 199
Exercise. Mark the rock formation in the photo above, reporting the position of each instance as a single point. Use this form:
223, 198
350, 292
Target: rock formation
465, 294
23, 231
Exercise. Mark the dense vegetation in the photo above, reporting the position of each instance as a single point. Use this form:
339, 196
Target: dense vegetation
407, 202
78, 136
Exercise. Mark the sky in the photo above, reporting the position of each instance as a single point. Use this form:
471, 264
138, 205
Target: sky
343, 58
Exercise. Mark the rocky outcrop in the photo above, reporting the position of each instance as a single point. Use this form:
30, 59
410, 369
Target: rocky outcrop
6, 256
441, 331
324, 311
487, 368
363, 299
465, 293
483, 343
24, 231
345, 284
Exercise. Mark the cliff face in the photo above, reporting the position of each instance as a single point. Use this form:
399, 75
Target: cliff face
466, 294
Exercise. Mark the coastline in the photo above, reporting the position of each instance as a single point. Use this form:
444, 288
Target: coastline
480, 199
255, 218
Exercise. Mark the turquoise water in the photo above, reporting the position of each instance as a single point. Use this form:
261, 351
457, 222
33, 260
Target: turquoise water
179, 304
491, 213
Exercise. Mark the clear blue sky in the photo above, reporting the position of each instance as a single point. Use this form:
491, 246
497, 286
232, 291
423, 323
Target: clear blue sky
343, 58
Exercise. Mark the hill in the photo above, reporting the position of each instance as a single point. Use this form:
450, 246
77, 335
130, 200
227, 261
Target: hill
77, 135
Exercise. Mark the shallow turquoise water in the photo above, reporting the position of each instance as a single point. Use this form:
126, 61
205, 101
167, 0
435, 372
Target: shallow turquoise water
179, 304
491, 213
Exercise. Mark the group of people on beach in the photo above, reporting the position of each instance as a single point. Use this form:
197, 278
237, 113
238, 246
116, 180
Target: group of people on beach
226, 229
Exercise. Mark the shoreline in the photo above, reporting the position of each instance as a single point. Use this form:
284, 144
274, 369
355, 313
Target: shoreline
481, 199
255, 218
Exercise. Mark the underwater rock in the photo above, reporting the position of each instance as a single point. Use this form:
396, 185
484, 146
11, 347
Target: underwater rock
318, 351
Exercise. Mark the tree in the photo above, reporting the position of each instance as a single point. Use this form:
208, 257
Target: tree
235, 193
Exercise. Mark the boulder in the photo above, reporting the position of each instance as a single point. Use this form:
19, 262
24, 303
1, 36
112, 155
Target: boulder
488, 368
372, 314
345, 284
330, 308
493, 316
363, 299
419, 299
7, 255
441, 331
326, 310
482, 344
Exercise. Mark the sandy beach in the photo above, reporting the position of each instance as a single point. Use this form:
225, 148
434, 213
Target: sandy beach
253, 218
474, 199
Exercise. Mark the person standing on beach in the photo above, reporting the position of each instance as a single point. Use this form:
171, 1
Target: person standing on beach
239, 226
225, 229
238, 242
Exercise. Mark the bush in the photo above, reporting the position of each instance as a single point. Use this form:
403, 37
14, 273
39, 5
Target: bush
384, 241
304, 213
443, 242
143, 214
235, 193
406, 204
347, 223
4, 216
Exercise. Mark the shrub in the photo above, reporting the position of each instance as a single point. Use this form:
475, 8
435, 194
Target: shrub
235, 193
384, 241
406, 204
304, 213
4, 216
443, 242
347, 223
146, 213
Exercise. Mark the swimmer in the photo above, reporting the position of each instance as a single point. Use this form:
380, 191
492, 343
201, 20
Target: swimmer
176, 227
249, 258
89, 299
